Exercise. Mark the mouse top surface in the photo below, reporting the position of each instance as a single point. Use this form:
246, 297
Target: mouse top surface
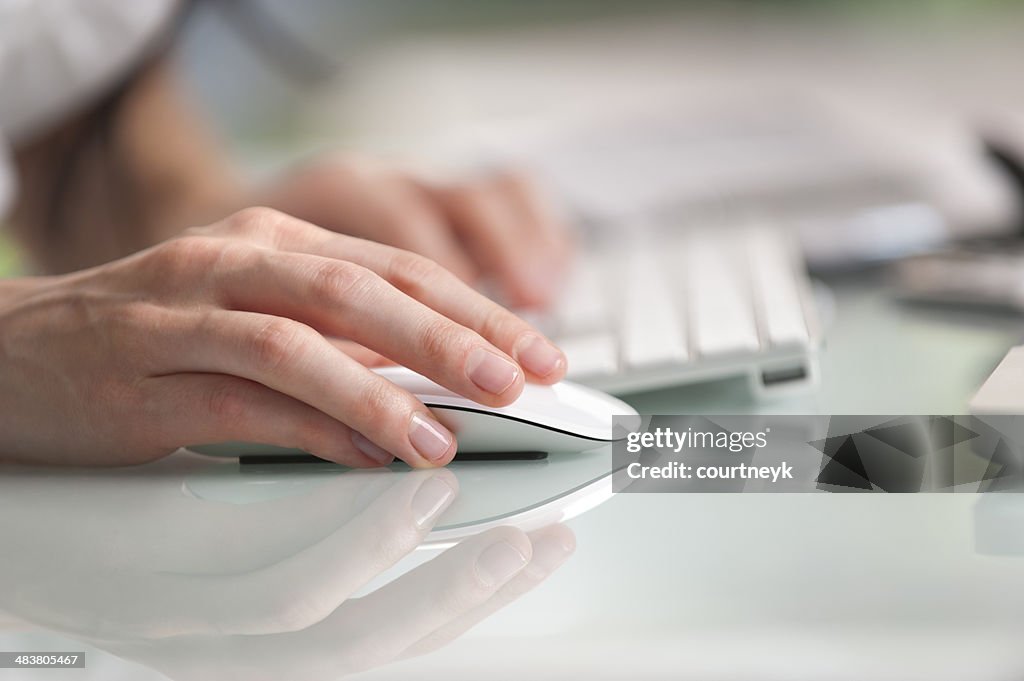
565, 406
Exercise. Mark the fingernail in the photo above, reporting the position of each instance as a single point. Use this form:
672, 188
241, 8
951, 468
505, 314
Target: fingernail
429, 437
371, 450
498, 563
433, 497
490, 372
538, 355
550, 552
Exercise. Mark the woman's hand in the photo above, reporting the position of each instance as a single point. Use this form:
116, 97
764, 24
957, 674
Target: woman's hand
234, 332
496, 227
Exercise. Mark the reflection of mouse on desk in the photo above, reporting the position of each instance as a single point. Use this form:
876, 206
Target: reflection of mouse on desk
564, 417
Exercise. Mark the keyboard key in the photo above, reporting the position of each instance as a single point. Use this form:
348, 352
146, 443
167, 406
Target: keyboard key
779, 308
722, 309
583, 306
653, 331
590, 355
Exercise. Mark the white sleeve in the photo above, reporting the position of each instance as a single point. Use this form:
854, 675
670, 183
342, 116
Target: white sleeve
57, 54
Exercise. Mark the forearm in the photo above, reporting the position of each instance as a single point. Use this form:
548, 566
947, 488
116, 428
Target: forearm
96, 190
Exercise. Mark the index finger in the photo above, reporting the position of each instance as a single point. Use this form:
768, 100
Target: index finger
425, 281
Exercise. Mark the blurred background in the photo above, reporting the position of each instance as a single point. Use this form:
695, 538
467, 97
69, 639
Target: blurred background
890, 98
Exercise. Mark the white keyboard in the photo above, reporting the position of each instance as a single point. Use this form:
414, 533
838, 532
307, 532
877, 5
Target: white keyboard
645, 309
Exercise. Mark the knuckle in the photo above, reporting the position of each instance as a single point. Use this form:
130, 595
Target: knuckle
227, 404
277, 342
377, 404
438, 340
497, 322
415, 274
181, 262
236, 255
255, 219
339, 280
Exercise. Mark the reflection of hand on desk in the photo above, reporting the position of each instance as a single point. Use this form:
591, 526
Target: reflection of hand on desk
206, 590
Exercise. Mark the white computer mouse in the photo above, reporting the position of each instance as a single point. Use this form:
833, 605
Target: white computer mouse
565, 417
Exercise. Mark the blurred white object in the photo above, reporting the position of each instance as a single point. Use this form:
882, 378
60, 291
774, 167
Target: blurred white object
725, 154
975, 274
873, 234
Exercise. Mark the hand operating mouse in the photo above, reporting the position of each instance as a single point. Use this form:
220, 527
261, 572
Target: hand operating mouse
565, 417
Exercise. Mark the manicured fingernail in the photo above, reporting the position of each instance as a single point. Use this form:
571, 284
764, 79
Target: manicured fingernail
429, 437
371, 450
433, 497
538, 355
490, 372
499, 563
